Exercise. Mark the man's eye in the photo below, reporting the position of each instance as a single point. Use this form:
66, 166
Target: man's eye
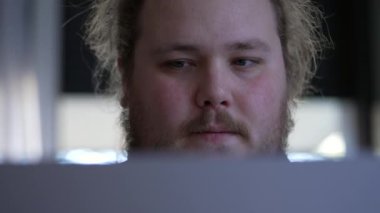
179, 64
242, 62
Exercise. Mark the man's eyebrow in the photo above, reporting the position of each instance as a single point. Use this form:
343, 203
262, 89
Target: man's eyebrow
254, 44
176, 47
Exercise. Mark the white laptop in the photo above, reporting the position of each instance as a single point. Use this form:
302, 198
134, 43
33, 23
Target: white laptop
193, 184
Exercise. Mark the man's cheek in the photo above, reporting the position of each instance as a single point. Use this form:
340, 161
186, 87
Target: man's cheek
264, 89
170, 100
264, 96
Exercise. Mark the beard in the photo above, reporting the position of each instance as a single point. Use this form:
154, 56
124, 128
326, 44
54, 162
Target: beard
274, 143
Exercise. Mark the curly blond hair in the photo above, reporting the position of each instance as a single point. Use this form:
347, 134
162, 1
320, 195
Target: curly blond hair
111, 32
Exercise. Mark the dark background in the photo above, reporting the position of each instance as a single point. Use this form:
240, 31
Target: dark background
345, 73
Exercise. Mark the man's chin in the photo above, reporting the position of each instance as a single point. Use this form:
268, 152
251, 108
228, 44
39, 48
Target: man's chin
213, 143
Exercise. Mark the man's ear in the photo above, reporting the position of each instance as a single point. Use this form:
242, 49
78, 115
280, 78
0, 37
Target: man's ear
124, 99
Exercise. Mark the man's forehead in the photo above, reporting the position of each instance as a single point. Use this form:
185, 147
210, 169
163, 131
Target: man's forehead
194, 8
206, 4
235, 22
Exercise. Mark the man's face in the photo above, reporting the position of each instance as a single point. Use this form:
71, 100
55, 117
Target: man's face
208, 76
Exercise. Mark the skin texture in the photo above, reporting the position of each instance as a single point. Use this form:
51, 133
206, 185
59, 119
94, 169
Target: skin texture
208, 76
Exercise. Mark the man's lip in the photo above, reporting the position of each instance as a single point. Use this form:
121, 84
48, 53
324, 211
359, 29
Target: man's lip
214, 131
214, 135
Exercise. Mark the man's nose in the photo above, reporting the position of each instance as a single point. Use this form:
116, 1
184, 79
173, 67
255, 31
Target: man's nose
213, 89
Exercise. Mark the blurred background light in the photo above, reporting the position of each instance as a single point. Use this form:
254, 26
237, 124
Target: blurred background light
333, 146
91, 157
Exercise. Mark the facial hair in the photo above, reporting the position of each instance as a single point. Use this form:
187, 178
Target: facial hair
274, 143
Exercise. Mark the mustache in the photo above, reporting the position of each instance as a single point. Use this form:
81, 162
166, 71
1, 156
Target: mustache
206, 119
